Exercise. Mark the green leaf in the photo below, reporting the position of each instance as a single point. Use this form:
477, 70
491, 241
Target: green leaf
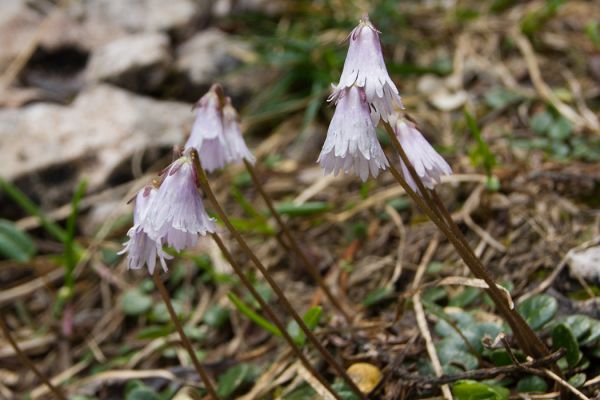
31, 208
561, 129
538, 310
500, 97
454, 357
578, 380
541, 122
254, 317
579, 324
300, 210
154, 332
342, 389
142, 393
234, 378
480, 154
532, 383
216, 316
135, 302
562, 337
473, 390
14, 243
594, 333
311, 318
465, 297
378, 296
304, 392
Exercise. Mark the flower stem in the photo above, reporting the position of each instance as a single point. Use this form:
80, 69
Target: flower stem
203, 181
527, 339
27, 361
312, 270
184, 339
272, 316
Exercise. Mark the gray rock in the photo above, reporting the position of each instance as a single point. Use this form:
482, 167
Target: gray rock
54, 146
18, 25
136, 62
207, 56
146, 15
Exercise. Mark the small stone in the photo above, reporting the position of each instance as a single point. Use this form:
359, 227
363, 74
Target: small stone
586, 264
136, 62
366, 376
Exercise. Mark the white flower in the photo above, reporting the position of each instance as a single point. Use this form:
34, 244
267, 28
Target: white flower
351, 142
428, 164
177, 216
237, 150
364, 67
207, 135
140, 248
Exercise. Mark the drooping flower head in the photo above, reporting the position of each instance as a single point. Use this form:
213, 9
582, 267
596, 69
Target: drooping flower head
364, 67
140, 248
177, 216
237, 150
428, 164
351, 142
207, 135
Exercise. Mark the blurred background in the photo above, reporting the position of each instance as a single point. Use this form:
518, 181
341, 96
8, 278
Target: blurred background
94, 94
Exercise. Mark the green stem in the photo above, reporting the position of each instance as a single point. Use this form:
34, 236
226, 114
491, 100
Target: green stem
184, 339
203, 181
312, 270
272, 316
28, 363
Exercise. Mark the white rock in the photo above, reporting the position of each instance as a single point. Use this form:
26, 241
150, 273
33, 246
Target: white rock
103, 127
207, 55
586, 263
136, 62
144, 15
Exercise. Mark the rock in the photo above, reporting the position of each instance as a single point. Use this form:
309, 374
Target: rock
145, 15
47, 148
206, 56
586, 264
18, 25
137, 62
223, 8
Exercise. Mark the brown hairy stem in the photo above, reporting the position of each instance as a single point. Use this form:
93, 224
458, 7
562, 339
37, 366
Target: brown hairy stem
184, 339
529, 342
272, 316
312, 270
27, 361
203, 181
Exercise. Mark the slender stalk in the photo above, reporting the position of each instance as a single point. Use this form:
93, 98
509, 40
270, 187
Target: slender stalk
272, 316
184, 339
28, 363
203, 181
312, 270
527, 339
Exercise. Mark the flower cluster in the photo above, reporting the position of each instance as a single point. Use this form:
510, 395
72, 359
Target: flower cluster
171, 212
171, 215
365, 95
216, 134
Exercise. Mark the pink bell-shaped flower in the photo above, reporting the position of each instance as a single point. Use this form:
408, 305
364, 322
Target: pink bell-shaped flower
237, 150
427, 163
364, 67
177, 216
207, 135
140, 248
351, 142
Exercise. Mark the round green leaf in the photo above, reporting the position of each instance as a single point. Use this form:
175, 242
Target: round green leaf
135, 302
216, 316
562, 337
580, 325
532, 383
538, 310
578, 380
